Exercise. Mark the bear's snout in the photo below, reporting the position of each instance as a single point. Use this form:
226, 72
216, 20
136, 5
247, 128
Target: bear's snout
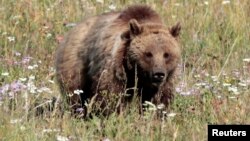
158, 76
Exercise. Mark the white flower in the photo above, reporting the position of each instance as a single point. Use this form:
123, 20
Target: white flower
32, 77
22, 128
30, 67
160, 106
197, 76
226, 84
112, 7
185, 93
242, 84
246, 60
61, 138
48, 35
149, 103
201, 84
173, 16
11, 38
206, 2
35, 66
225, 2
50, 130
100, 1
22, 79
151, 107
219, 96
214, 78
171, 114
78, 92
13, 121
177, 4
233, 89
5, 74
17, 53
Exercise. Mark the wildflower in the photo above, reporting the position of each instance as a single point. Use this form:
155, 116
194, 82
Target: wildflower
171, 114
112, 7
30, 67
246, 60
78, 92
79, 110
173, 16
32, 77
151, 107
214, 78
219, 96
226, 84
4, 89
185, 93
226, 2
100, 1
31, 86
177, 4
22, 128
233, 89
160, 106
61, 138
17, 86
17, 53
48, 35
201, 84
14, 121
206, 2
44, 89
11, 38
5, 74
26, 60
197, 76
236, 73
22, 79
242, 84
50, 130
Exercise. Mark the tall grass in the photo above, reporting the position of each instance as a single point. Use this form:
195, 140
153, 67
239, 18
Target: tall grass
213, 77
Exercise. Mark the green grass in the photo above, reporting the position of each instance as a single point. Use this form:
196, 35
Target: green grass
213, 81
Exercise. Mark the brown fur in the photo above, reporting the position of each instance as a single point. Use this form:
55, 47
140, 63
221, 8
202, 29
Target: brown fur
103, 54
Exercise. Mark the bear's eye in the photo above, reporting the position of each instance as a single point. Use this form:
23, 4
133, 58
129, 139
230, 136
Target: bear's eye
148, 54
166, 55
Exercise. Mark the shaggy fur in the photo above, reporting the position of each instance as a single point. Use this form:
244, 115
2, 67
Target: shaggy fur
107, 55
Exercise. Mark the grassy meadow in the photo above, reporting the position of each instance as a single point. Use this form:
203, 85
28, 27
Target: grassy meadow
213, 77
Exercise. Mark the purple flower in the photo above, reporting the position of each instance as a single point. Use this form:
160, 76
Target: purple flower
17, 86
4, 89
26, 60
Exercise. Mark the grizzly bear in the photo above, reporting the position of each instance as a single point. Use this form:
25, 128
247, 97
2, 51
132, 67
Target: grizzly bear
116, 56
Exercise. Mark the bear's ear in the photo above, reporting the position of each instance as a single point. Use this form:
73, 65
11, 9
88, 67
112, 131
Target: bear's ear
134, 29
175, 30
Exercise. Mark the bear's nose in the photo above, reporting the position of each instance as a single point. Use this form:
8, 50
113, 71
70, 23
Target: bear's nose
158, 76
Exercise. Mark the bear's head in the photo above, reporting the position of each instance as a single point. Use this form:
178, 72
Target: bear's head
153, 49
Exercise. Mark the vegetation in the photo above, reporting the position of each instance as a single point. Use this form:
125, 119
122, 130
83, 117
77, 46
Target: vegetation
213, 78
